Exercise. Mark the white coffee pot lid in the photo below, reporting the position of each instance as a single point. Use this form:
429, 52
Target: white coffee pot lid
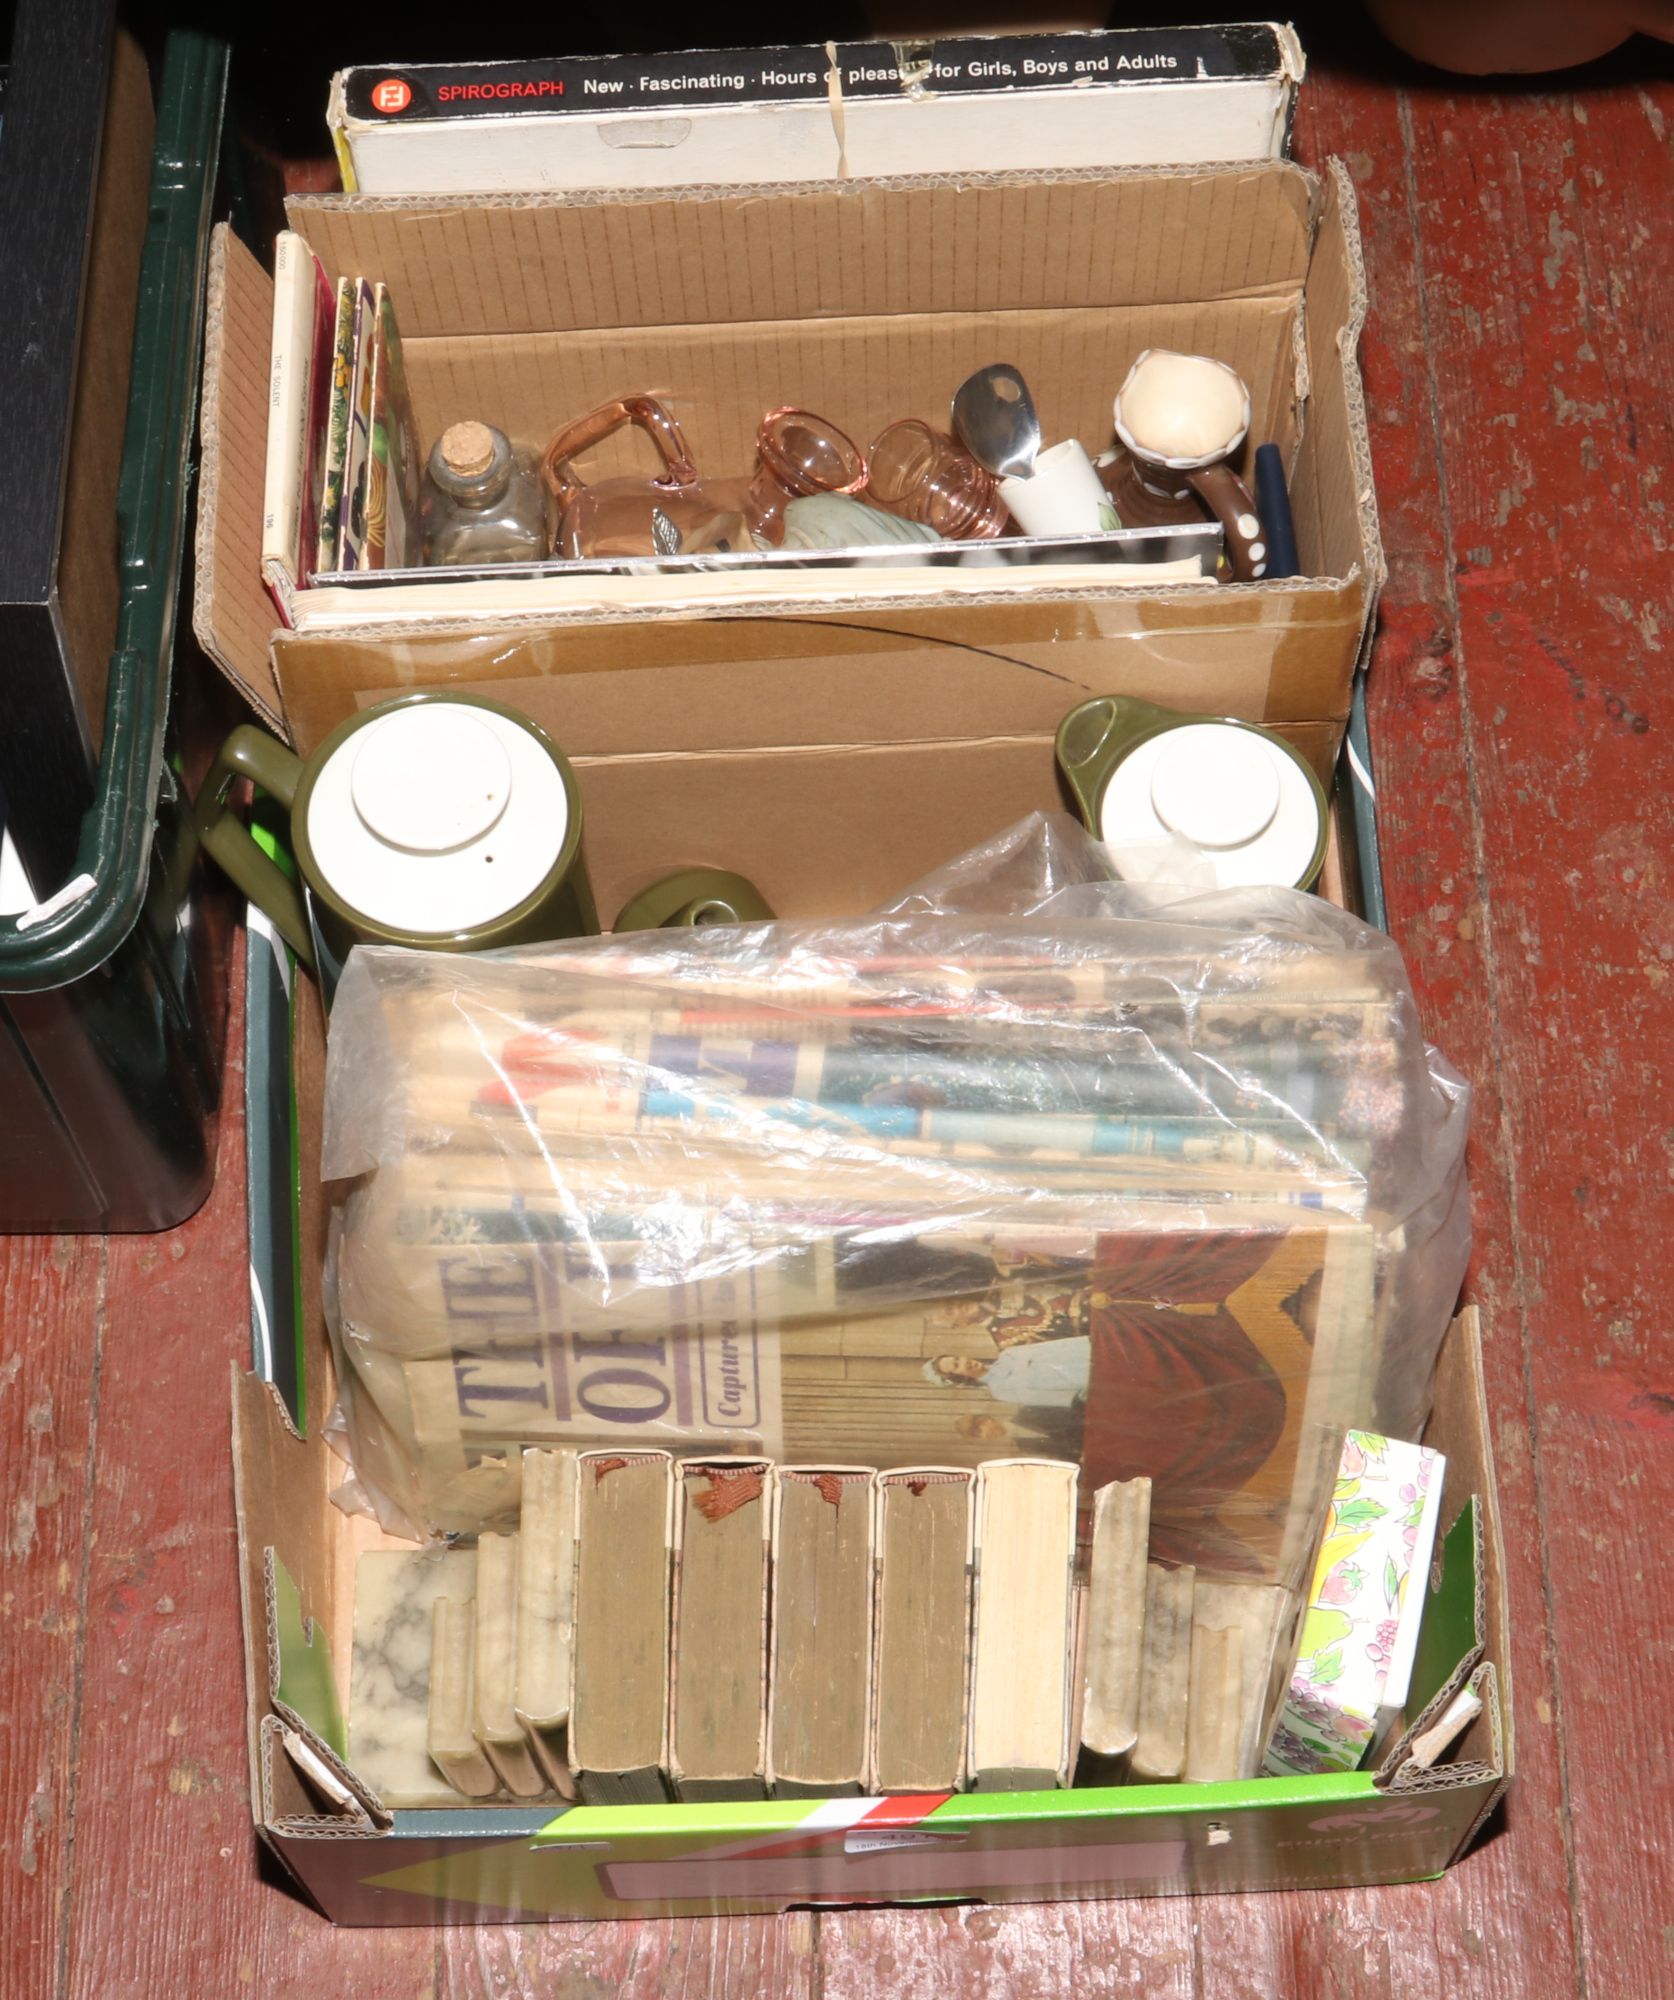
438, 817
1210, 805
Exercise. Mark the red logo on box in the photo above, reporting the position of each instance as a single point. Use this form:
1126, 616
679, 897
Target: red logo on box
392, 95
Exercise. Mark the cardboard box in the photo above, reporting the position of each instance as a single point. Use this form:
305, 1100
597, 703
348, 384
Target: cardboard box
363, 1864
832, 752
1138, 96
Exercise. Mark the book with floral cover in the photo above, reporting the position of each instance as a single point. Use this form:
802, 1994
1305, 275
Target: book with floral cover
393, 467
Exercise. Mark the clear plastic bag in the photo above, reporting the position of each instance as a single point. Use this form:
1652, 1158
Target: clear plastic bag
1033, 1161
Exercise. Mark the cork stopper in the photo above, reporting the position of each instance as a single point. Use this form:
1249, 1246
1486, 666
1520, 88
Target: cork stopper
467, 449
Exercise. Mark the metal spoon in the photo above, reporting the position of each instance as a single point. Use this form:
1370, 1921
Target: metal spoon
994, 415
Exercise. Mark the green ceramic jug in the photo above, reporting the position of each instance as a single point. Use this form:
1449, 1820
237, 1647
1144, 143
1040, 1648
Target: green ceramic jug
441, 821
1201, 800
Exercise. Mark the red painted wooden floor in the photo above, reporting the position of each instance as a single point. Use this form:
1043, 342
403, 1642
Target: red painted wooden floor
1520, 376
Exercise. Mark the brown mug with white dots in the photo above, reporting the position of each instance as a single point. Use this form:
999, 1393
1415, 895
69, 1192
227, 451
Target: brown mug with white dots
1179, 418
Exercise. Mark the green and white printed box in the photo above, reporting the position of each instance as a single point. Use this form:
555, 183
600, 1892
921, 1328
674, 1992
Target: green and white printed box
1360, 1629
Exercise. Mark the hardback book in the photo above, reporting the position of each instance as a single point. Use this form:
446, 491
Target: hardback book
1159, 1752
304, 325
819, 1711
1214, 1704
1115, 1627
1133, 97
1265, 1616
619, 1693
546, 1609
454, 1748
494, 1674
921, 1644
335, 445
390, 1672
351, 528
723, 1512
1022, 1625
393, 466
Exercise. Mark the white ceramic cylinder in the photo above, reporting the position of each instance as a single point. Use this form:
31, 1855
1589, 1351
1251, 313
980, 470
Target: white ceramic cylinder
1209, 804
1064, 497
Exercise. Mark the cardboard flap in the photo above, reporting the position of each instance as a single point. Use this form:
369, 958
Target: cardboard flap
1464, 1639
302, 1686
296, 1781
1239, 653
1483, 1745
280, 1488
300, 1681
1331, 490
232, 614
498, 264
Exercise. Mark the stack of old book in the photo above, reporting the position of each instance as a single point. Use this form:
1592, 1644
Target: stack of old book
1117, 1195
726, 1629
823, 1267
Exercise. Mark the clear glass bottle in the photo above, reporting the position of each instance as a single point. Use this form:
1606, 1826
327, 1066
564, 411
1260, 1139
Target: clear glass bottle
484, 501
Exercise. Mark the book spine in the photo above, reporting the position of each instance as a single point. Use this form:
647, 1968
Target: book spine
352, 508
336, 449
373, 99
289, 403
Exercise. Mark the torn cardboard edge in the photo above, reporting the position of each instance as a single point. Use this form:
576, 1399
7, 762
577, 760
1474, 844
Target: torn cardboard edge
361, 1802
304, 205
1468, 1446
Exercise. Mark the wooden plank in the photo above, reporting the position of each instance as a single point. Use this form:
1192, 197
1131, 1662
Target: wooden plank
168, 1880
694, 1958
1547, 247
1500, 1923
50, 1292
1070, 1951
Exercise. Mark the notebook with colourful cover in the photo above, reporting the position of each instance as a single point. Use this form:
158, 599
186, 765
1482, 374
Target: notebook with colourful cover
351, 532
328, 540
392, 465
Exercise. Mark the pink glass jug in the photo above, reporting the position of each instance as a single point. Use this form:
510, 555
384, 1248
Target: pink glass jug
680, 511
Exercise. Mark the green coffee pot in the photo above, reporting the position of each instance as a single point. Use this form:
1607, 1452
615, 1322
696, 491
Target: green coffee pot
1197, 800
440, 821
